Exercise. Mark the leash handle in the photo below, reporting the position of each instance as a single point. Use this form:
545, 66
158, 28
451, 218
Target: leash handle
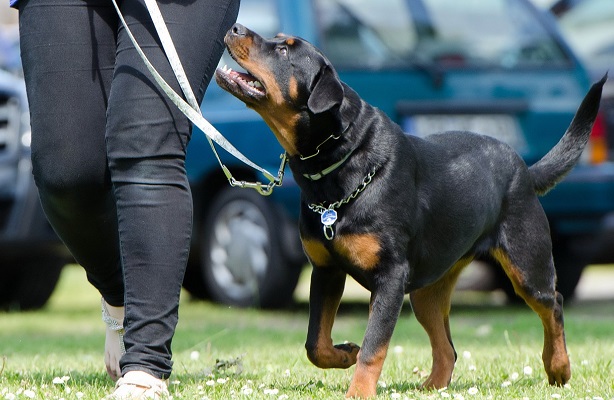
192, 110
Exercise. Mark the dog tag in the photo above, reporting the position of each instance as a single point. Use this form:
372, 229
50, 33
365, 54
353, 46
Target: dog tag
328, 217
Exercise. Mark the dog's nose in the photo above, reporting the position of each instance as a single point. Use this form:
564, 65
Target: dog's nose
238, 30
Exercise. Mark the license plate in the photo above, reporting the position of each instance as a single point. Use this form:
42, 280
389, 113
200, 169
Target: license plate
500, 126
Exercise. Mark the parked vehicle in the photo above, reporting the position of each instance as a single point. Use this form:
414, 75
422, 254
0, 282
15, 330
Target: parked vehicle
31, 255
498, 67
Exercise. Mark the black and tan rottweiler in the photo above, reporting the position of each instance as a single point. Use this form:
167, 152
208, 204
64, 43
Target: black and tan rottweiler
398, 213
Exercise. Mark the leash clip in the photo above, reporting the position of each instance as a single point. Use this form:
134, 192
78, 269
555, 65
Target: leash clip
261, 188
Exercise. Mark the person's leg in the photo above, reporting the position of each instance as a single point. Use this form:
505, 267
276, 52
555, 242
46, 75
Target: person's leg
146, 143
68, 53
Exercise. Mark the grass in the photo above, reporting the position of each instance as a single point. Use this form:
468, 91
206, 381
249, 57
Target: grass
227, 353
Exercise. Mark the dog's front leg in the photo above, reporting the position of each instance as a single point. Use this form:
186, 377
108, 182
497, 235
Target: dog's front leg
327, 286
385, 307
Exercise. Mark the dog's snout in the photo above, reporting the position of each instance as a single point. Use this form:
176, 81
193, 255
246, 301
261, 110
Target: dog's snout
238, 30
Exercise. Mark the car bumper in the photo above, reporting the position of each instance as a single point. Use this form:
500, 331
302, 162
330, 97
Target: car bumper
582, 206
586, 191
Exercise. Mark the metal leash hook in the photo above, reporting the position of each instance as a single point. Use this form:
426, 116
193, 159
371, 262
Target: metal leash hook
261, 188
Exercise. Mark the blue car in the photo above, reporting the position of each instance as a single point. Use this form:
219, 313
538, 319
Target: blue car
498, 67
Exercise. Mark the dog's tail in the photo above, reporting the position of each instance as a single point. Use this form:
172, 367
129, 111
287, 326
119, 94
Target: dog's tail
553, 167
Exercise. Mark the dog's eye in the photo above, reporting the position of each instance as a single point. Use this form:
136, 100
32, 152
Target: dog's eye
283, 50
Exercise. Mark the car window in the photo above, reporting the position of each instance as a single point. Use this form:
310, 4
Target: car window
589, 28
366, 33
452, 33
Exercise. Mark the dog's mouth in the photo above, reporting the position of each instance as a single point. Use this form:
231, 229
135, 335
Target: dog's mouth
243, 85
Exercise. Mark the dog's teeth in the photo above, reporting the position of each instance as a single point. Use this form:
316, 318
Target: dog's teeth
257, 84
251, 83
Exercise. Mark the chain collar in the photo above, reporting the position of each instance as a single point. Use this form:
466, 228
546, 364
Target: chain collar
326, 171
331, 168
328, 215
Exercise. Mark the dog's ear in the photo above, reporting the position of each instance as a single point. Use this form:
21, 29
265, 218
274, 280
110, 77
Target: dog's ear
326, 92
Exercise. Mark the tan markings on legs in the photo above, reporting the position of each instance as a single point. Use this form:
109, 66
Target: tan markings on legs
324, 301
364, 381
554, 355
384, 308
325, 355
316, 252
514, 274
431, 306
361, 250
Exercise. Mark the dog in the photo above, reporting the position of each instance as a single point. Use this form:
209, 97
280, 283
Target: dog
401, 214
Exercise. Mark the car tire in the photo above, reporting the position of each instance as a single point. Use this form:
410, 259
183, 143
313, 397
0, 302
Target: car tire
569, 263
242, 257
27, 283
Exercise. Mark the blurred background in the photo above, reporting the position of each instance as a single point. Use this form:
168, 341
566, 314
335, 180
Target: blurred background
512, 69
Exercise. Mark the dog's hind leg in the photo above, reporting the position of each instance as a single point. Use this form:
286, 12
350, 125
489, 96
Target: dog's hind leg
526, 257
431, 306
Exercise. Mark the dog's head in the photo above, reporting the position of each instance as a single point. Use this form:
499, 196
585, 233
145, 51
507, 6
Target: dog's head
288, 82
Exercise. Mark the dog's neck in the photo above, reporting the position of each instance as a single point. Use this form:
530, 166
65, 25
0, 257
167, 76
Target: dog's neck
327, 151
327, 170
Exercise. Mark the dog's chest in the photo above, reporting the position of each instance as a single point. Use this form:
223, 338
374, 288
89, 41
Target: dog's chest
355, 250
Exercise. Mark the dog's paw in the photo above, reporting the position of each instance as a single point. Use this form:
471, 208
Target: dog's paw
559, 376
435, 383
339, 356
351, 349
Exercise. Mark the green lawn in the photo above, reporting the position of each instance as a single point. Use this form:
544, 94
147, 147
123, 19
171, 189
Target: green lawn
226, 353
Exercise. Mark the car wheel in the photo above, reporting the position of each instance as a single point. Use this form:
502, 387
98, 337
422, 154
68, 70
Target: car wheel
242, 256
27, 283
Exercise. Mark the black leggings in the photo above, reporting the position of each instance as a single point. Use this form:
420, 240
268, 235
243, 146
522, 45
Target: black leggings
108, 150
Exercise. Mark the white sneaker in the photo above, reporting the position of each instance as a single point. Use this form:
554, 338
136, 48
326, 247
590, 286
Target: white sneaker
114, 348
139, 385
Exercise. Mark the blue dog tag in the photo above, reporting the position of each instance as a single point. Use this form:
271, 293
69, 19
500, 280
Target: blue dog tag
328, 217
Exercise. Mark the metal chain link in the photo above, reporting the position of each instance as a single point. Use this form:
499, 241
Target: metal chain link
329, 232
263, 189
